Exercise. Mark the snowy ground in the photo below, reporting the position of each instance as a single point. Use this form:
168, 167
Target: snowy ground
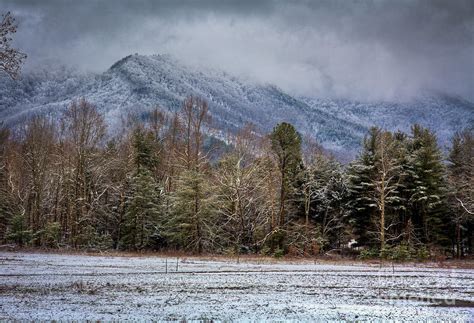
48, 286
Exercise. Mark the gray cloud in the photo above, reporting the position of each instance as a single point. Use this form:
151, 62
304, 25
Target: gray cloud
371, 49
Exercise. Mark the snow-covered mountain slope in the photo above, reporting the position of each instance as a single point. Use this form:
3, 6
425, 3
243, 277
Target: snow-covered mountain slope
442, 113
138, 83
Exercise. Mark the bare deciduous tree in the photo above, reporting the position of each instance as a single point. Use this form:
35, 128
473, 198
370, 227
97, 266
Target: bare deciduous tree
461, 181
84, 129
385, 182
11, 59
241, 193
37, 154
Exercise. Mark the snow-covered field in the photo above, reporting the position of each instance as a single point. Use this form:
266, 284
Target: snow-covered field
51, 286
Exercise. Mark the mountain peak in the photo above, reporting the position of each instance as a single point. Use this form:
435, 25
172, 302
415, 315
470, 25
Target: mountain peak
138, 83
143, 60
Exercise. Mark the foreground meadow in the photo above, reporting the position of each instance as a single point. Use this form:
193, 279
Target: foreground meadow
75, 287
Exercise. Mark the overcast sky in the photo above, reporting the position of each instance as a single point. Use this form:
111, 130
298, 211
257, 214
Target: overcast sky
354, 49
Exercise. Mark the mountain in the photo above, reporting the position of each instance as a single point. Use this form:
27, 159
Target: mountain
138, 83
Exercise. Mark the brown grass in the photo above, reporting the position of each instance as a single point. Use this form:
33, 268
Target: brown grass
467, 263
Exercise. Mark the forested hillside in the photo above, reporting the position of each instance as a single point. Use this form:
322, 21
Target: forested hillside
66, 182
138, 84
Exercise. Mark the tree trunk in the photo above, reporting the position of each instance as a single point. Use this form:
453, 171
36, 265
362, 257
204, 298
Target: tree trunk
458, 240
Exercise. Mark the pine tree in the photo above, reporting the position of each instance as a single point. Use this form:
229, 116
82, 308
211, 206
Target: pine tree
191, 224
376, 189
18, 231
402, 228
145, 149
427, 198
286, 148
142, 214
286, 145
361, 185
143, 225
329, 200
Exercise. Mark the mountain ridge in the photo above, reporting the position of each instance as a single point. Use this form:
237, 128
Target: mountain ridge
137, 83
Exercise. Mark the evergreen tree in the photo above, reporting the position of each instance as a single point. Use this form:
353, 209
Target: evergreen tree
361, 185
141, 227
376, 189
427, 190
402, 227
286, 145
192, 223
329, 201
18, 231
145, 149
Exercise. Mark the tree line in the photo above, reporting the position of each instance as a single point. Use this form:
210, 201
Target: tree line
161, 183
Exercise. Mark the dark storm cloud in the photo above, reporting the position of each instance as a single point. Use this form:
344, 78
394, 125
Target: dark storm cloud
377, 49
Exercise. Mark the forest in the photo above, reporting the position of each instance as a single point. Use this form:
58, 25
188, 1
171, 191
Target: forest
163, 182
